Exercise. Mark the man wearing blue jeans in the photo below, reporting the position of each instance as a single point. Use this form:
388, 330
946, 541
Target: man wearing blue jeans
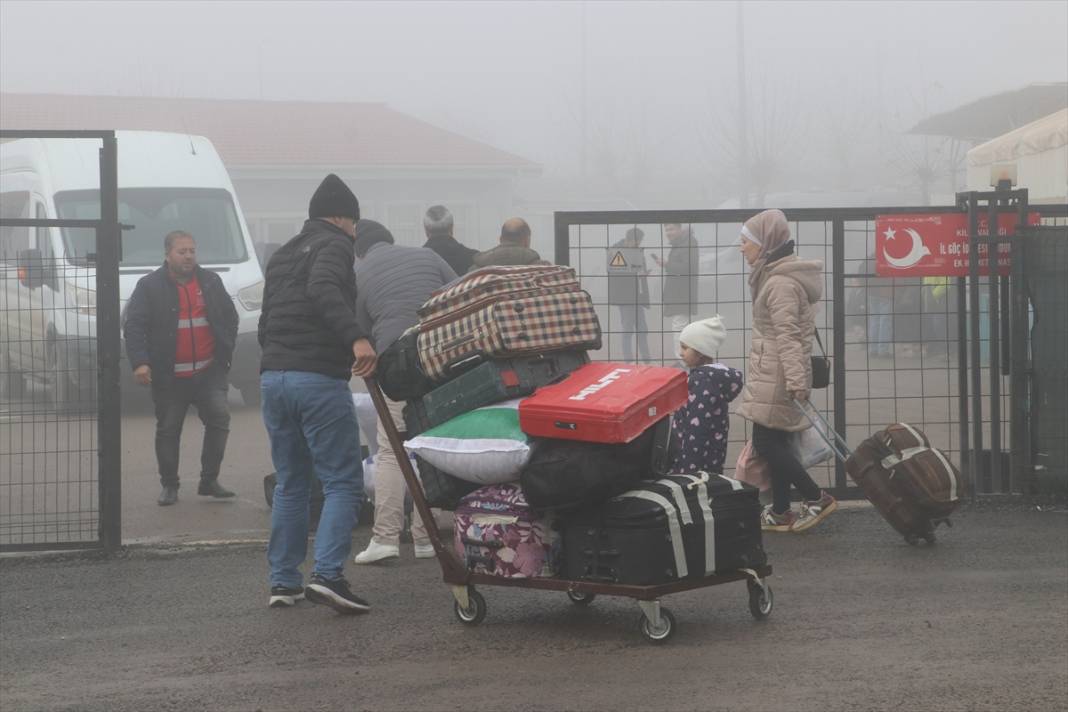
312, 345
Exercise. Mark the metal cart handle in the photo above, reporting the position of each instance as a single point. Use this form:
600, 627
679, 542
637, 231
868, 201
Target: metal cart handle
453, 572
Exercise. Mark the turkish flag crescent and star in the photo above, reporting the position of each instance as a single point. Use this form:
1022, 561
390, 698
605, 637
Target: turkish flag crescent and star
936, 244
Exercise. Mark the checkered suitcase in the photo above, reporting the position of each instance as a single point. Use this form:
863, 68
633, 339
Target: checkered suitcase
539, 322
488, 285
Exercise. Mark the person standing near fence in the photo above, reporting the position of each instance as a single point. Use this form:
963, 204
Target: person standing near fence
784, 289
180, 330
680, 278
628, 288
312, 345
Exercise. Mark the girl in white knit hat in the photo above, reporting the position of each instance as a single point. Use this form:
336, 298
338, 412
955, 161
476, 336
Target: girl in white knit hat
701, 425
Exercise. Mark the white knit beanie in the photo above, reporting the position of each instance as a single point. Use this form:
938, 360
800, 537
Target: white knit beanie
705, 335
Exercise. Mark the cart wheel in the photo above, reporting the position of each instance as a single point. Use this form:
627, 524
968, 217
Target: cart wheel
662, 634
581, 599
475, 612
761, 600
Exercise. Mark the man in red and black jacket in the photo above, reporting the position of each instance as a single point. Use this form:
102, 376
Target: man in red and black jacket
180, 330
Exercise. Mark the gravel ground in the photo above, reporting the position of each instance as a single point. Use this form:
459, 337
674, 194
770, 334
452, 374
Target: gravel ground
861, 622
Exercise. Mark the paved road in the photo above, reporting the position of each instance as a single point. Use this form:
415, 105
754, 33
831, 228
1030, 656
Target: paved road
862, 622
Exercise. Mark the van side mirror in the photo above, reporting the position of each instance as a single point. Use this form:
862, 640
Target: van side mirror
32, 269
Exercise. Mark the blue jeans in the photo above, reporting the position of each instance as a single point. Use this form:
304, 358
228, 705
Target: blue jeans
632, 318
311, 421
880, 326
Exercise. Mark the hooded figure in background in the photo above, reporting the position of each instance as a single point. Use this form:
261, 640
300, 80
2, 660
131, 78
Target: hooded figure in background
785, 290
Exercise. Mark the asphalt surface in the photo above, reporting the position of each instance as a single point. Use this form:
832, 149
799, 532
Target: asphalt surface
861, 622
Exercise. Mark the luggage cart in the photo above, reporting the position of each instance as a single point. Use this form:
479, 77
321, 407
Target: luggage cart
657, 623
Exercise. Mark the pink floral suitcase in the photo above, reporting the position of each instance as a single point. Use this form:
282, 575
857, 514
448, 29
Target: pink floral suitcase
497, 533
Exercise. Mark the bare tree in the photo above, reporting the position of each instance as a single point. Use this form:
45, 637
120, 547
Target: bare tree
774, 138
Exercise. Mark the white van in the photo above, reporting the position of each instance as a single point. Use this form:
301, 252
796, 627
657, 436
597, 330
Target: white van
48, 299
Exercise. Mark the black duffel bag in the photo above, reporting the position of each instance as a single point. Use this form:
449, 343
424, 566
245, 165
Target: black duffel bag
398, 370
567, 474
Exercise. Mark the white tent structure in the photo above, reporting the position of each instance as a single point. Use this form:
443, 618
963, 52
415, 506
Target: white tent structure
1037, 152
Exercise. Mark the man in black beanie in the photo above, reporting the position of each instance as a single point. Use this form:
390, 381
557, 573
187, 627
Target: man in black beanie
312, 344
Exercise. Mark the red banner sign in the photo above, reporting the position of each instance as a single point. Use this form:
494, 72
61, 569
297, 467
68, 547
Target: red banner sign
936, 244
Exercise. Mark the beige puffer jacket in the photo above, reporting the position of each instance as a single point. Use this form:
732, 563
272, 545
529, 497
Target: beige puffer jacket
784, 323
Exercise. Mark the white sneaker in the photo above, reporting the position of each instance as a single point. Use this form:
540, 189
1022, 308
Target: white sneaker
424, 551
377, 552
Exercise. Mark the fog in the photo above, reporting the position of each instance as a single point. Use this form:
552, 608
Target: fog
831, 87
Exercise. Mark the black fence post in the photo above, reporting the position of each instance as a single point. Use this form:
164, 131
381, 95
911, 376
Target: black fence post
838, 289
108, 249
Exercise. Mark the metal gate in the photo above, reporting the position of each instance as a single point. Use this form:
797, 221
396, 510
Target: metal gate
894, 343
60, 458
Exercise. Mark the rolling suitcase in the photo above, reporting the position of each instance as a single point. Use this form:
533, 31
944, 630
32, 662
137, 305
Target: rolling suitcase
680, 526
489, 382
913, 485
604, 402
496, 532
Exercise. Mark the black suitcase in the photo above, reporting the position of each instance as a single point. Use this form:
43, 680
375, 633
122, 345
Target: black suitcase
565, 475
442, 490
680, 526
491, 381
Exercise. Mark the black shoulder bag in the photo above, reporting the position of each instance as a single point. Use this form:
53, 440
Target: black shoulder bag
821, 366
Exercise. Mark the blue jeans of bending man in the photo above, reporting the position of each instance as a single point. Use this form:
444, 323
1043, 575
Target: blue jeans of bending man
311, 421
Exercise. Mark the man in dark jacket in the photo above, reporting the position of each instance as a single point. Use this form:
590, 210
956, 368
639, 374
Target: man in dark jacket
180, 330
392, 282
311, 346
438, 225
680, 278
514, 248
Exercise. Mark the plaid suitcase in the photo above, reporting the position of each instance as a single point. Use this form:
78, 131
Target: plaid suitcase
537, 323
493, 284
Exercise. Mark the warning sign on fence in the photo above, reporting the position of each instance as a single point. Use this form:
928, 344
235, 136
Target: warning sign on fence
629, 260
936, 244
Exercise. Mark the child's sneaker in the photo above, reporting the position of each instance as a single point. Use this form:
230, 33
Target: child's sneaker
772, 522
812, 513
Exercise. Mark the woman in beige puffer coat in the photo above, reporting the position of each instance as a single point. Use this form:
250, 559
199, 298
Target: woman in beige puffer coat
784, 290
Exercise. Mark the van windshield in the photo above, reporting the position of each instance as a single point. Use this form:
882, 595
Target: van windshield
206, 214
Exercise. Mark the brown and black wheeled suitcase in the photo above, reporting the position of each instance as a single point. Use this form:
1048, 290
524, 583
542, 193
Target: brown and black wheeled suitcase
913, 485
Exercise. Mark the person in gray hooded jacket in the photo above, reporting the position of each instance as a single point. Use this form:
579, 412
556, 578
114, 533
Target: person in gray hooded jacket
392, 282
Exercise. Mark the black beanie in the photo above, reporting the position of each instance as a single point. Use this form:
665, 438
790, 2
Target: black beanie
369, 232
333, 199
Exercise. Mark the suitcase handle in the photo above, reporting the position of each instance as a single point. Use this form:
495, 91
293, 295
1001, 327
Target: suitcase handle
837, 443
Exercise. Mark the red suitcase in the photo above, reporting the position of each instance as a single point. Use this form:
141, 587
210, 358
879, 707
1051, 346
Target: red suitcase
604, 402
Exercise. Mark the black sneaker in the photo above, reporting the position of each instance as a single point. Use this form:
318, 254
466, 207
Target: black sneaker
212, 488
335, 594
168, 496
283, 596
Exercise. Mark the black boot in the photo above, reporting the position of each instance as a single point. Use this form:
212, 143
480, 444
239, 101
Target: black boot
212, 488
168, 496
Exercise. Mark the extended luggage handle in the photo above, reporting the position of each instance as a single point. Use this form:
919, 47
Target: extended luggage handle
835, 441
452, 570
